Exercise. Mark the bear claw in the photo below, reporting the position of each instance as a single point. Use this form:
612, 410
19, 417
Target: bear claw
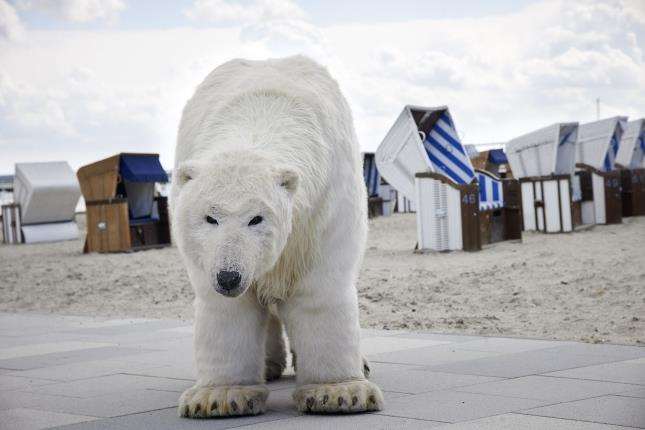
336, 397
202, 402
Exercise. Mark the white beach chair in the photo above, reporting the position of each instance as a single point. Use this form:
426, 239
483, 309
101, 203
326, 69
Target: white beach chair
424, 159
47, 193
544, 162
631, 159
596, 151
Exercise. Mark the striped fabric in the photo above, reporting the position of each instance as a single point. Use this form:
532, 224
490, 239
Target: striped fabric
610, 158
446, 152
371, 175
565, 139
490, 192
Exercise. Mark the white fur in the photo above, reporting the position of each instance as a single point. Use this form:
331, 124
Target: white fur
273, 138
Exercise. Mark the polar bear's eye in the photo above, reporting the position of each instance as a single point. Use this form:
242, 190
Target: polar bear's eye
211, 220
256, 220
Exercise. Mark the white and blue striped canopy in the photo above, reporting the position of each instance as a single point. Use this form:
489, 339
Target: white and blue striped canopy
490, 192
371, 175
446, 152
612, 151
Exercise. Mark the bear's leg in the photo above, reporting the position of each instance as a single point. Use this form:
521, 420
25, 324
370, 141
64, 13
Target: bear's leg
322, 325
229, 342
276, 359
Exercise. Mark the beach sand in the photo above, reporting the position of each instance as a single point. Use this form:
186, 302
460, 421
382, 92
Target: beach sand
587, 286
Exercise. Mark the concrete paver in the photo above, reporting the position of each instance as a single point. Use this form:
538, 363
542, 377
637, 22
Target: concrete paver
100, 373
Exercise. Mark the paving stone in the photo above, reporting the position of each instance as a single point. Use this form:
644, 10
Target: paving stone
9, 383
526, 422
32, 419
508, 345
167, 371
522, 364
428, 379
60, 358
89, 369
433, 355
111, 405
454, 406
376, 345
47, 348
372, 332
167, 419
624, 352
453, 338
99, 386
344, 422
126, 328
415, 380
634, 393
548, 388
628, 372
625, 411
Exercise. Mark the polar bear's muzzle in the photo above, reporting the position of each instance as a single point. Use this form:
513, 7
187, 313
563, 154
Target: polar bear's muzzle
229, 283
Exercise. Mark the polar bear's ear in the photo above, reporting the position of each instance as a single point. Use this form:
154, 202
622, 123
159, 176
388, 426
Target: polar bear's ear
288, 179
185, 173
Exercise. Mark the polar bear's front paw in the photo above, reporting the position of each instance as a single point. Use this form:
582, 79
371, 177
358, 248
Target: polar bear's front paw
340, 397
224, 401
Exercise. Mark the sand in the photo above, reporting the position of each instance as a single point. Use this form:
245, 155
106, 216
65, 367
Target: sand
587, 286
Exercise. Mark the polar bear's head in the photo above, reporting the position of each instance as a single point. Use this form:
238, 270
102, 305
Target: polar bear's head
231, 219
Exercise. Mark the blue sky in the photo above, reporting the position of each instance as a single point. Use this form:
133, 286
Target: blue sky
83, 79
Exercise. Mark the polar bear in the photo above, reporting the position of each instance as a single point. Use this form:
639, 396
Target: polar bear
268, 210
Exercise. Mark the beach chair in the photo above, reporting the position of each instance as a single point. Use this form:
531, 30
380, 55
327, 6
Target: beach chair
630, 161
47, 194
544, 161
424, 159
493, 161
596, 177
123, 213
381, 197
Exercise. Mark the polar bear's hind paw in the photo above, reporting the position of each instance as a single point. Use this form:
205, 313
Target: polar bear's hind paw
341, 397
207, 402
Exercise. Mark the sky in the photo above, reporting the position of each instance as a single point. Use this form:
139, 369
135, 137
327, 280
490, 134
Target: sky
81, 80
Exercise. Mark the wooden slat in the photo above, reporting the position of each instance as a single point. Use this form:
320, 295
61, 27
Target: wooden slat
613, 198
471, 234
98, 180
116, 235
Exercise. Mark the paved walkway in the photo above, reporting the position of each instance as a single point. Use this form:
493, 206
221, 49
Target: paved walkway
83, 373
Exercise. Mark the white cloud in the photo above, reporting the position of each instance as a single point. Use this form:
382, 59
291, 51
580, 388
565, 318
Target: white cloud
80, 11
61, 97
228, 12
10, 25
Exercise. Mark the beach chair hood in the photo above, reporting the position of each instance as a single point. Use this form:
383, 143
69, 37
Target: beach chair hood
631, 153
423, 139
599, 141
547, 151
47, 192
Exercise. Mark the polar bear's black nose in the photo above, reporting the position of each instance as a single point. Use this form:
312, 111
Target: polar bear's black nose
228, 279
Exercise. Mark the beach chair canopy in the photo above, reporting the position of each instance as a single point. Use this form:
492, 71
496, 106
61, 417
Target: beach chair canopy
599, 141
370, 174
423, 139
47, 192
490, 191
547, 151
631, 153
128, 175
141, 168
497, 156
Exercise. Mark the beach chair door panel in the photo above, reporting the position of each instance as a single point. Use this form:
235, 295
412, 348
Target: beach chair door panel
108, 227
638, 192
471, 235
613, 198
